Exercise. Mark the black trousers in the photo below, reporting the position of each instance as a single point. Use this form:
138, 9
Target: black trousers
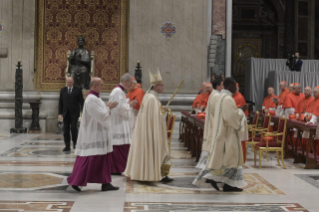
72, 121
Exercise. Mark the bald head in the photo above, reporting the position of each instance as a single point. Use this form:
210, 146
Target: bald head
270, 91
308, 91
70, 82
96, 84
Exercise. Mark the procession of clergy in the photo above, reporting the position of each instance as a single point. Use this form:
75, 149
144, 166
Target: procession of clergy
127, 136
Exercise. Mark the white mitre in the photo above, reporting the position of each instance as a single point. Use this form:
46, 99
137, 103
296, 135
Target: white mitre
155, 79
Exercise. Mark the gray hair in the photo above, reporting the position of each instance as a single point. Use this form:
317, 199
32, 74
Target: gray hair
94, 81
126, 77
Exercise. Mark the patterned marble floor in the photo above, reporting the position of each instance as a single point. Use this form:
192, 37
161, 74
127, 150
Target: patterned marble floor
33, 172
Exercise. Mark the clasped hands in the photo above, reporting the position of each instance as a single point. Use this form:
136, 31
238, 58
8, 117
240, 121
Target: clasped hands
133, 103
111, 105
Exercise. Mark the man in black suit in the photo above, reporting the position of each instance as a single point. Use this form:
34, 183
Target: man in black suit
70, 105
296, 63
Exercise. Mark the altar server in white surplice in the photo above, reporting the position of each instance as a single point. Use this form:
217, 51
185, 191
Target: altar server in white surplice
225, 160
210, 109
149, 158
120, 120
94, 145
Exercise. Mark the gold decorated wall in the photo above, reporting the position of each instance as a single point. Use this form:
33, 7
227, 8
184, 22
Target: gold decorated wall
104, 23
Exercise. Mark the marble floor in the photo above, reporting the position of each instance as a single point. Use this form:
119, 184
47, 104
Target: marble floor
33, 172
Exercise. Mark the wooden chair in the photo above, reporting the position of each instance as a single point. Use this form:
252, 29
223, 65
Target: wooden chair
255, 122
254, 139
276, 145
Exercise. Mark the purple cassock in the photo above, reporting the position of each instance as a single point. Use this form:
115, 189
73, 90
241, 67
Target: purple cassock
91, 169
119, 157
120, 152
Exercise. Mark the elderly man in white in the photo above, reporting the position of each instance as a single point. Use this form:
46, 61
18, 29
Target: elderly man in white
120, 120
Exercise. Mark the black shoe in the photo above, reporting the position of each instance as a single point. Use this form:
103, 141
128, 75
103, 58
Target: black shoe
167, 179
117, 173
109, 187
76, 188
66, 149
74, 146
213, 183
228, 188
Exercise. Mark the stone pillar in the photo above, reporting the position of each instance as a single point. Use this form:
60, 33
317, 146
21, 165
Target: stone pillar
289, 46
18, 102
229, 19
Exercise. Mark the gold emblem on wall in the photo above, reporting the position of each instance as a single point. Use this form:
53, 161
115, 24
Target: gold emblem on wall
105, 26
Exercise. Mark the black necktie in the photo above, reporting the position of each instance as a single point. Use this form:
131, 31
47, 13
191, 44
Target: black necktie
69, 91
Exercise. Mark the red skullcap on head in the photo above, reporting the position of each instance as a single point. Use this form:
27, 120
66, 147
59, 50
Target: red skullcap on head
308, 87
283, 82
296, 84
317, 87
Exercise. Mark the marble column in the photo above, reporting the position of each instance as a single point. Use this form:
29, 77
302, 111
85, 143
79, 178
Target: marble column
229, 19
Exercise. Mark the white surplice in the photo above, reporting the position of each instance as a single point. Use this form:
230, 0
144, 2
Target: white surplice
120, 118
94, 137
208, 132
225, 160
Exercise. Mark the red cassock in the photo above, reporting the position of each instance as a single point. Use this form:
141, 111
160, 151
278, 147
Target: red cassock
240, 101
201, 100
304, 104
282, 96
314, 109
136, 94
292, 100
268, 102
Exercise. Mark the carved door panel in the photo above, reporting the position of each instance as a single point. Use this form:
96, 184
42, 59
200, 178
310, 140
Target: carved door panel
242, 50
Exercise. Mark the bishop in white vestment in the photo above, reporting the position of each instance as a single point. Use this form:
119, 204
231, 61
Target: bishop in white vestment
94, 145
225, 160
149, 158
120, 121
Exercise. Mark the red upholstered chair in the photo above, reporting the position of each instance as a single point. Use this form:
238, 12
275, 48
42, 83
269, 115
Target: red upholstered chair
255, 122
275, 142
253, 139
